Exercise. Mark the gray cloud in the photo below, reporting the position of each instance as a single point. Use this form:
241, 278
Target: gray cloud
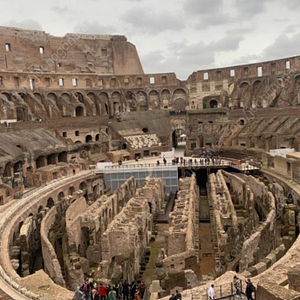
247, 9
283, 46
202, 7
153, 21
60, 9
94, 27
25, 24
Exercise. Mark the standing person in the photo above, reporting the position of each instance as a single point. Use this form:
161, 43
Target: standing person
95, 294
172, 297
102, 291
177, 296
125, 290
78, 294
211, 292
132, 289
86, 289
249, 289
112, 295
142, 289
237, 285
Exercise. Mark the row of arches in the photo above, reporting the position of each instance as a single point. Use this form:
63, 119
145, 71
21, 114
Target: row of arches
26, 106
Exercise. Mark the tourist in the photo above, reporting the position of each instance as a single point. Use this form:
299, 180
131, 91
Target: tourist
237, 285
132, 290
86, 289
78, 294
177, 296
211, 293
249, 289
142, 289
172, 297
112, 295
137, 296
165, 161
125, 290
95, 294
102, 291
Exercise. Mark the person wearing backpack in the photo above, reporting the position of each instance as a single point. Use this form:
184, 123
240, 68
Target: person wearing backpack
249, 289
86, 289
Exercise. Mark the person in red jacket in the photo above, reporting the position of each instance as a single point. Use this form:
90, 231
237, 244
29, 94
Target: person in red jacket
102, 291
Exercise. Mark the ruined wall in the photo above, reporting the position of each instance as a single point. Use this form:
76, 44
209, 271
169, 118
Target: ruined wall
262, 241
127, 237
51, 264
183, 237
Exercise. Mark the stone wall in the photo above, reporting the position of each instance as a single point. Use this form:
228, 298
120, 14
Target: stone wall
127, 237
183, 238
51, 264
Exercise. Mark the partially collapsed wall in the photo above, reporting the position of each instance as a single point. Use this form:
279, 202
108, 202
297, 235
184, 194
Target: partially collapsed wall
181, 267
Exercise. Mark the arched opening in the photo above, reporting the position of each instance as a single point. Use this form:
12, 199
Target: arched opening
213, 103
63, 157
60, 196
179, 105
41, 162
51, 159
97, 137
71, 191
21, 114
50, 203
179, 139
79, 111
88, 138
85, 241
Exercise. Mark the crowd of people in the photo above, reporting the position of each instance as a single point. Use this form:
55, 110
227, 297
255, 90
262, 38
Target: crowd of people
123, 291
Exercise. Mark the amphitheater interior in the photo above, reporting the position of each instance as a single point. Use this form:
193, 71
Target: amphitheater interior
90, 185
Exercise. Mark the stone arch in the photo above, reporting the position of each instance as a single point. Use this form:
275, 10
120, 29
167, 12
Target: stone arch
80, 97
213, 103
51, 159
130, 100
38, 96
116, 102
63, 157
79, 111
71, 190
88, 138
7, 95
154, 102
179, 105
141, 98
40, 208
23, 96
256, 85
8, 171
97, 137
60, 196
66, 97
179, 94
103, 104
52, 96
297, 81
22, 113
244, 85
165, 99
50, 203
41, 161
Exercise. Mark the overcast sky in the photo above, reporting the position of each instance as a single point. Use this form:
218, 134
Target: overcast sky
180, 36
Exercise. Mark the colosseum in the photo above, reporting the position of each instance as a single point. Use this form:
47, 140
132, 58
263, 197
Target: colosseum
111, 174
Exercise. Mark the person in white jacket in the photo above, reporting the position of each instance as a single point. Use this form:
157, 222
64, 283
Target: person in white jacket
211, 292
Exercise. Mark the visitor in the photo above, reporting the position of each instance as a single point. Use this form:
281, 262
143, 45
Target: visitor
172, 297
112, 295
237, 285
132, 290
78, 294
165, 161
249, 289
102, 291
177, 296
142, 289
211, 293
95, 294
125, 290
86, 289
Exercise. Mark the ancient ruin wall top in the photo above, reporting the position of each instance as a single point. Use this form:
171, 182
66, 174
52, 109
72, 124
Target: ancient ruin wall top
30, 50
